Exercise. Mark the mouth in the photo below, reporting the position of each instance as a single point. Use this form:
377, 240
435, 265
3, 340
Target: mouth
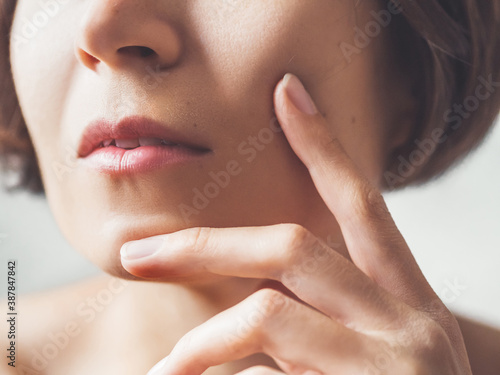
136, 144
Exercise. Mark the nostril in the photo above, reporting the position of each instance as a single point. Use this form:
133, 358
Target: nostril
89, 60
139, 51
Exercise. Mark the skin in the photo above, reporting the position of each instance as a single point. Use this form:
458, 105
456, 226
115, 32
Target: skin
214, 95
311, 192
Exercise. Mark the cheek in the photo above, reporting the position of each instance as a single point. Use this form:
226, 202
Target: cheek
249, 52
306, 42
246, 51
43, 64
250, 48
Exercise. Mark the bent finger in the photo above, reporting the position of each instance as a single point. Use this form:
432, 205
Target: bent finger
372, 238
271, 323
287, 253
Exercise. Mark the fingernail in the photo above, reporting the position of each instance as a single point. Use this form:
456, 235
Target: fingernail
298, 94
140, 249
157, 369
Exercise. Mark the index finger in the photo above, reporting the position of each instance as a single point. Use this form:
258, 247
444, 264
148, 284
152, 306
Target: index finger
374, 242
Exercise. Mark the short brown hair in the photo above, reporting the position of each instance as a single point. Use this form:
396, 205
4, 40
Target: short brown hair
16, 149
450, 45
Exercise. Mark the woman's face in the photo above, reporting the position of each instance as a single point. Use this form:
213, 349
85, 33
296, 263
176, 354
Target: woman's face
209, 72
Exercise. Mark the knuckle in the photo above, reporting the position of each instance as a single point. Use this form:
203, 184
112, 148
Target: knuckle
268, 304
433, 346
369, 203
261, 311
332, 148
419, 347
436, 338
297, 243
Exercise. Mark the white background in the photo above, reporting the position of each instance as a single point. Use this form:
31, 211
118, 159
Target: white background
452, 226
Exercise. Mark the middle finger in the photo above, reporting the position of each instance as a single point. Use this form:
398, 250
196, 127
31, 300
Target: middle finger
271, 323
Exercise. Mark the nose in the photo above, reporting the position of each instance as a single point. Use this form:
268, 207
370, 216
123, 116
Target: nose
122, 34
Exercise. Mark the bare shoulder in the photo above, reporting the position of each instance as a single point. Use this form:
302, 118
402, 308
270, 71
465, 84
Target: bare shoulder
483, 346
46, 323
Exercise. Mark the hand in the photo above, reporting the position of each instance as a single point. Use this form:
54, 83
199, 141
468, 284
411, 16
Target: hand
374, 315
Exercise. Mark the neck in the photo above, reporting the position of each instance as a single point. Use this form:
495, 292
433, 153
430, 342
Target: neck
164, 312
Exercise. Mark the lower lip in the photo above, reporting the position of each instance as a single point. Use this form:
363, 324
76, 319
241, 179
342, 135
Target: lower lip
118, 161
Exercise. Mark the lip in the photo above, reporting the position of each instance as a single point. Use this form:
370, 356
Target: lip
114, 160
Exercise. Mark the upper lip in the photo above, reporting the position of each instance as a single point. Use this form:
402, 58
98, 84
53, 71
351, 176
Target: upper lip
132, 127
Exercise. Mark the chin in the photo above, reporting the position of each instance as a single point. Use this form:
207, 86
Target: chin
108, 259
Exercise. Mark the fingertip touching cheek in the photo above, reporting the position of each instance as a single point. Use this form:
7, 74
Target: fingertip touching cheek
205, 71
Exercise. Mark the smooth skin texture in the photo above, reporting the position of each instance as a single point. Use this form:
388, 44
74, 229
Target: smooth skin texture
212, 78
380, 303
215, 67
